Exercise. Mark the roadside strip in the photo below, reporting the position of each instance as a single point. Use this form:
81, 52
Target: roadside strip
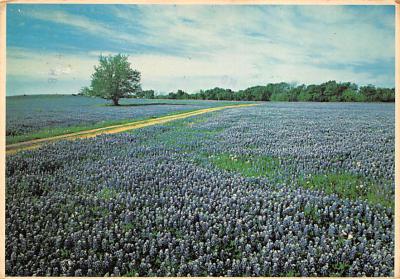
32, 144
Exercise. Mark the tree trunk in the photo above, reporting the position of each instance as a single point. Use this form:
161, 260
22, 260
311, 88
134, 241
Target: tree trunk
115, 102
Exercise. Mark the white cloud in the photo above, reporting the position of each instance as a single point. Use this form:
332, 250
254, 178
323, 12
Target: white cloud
43, 65
84, 25
333, 32
228, 46
168, 73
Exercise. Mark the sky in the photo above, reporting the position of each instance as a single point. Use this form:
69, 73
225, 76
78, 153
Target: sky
52, 49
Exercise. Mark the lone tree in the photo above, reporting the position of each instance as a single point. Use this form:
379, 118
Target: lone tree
113, 79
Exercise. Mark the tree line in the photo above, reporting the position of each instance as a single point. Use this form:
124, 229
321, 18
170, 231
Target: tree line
330, 91
114, 79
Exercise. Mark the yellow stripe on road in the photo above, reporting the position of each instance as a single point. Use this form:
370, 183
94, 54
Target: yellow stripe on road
32, 144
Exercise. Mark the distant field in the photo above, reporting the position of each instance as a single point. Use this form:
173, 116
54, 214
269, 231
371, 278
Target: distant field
277, 189
38, 116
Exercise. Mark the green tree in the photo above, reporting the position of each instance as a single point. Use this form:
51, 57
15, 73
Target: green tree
147, 94
351, 95
85, 91
386, 94
171, 95
369, 92
331, 92
114, 79
279, 91
180, 94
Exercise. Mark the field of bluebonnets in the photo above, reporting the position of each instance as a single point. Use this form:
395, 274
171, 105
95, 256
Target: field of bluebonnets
57, 114
279, 189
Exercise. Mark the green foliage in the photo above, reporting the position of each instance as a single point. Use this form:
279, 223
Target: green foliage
46, 133
128, 227
85, 91
65, 254
131, 273
291, 273
351, 95
250, 166
347, 185
175, 233
373, 94
304, 96
107, 193
185, 131
180, 94
280, 92
311, 212
341, 269
256, 93
330, 91
113, 79
146, 94
99, 212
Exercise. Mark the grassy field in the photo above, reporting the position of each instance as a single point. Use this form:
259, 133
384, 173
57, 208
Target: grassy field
56, 131
113, 129
277, 189
41, 116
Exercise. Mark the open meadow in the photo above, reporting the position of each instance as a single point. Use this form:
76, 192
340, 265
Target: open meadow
169, 140
276, 189
39, 116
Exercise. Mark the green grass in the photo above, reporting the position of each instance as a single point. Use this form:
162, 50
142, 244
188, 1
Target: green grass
65, 253
291, 273
132, 273
128, 227
176, 233
249, 166
189, 122
183, 132
233, 250
63, 130
143, 104
345, 185
350, 186
341, 269
107, 194
52, 132
99, 212
311, 212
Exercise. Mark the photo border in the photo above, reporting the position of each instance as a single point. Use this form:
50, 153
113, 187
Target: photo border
3, 8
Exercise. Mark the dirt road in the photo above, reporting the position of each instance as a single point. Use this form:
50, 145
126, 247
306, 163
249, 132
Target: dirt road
31, 144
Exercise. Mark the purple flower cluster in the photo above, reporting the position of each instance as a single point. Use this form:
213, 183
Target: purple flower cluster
152, 203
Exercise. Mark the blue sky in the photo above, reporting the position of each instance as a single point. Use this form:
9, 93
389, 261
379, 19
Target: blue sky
53, 48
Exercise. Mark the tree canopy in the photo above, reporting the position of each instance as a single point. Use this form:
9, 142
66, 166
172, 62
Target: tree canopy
113, 79
330, 91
